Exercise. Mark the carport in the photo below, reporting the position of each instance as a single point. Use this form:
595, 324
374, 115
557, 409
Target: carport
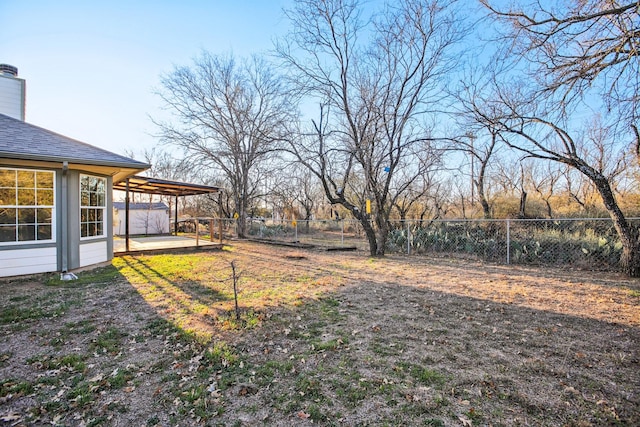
147, 185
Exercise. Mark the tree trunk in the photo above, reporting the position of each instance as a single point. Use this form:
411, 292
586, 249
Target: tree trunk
371, 236
382, 233
486, 209
522, 212
630, 257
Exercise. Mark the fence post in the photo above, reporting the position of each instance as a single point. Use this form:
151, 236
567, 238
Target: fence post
508, 242
342, 234
296, 223
408, 239
197, 232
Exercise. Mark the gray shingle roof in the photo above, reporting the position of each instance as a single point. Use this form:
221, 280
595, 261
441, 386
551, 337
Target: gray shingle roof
141, 206
21, 140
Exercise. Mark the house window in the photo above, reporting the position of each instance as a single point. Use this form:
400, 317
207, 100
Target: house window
93, 206
26, 205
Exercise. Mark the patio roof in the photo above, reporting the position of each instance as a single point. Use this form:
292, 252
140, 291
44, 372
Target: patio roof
146, 185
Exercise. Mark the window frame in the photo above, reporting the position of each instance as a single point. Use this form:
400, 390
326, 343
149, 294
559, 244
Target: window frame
35, 206
96, 208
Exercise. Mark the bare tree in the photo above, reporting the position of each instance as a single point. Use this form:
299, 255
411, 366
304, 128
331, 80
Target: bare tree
545, 181
375, 95
578, 45
230, 116
481, 150
577, 50
546, 138
419, 195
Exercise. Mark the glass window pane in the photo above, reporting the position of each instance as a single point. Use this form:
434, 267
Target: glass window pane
26, 179
44, 232
84, 199
26, 232
44, 180
7, 178
93, 183
101, 198
26, 216
84, 215
84, 230
93, 199
26, 197
98, 229
8, 196
84, 184
99, 215
8, 216
44, 197
92, 215
7, 233
44, 216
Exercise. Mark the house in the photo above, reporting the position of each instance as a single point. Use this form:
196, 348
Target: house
56, 199
144, 218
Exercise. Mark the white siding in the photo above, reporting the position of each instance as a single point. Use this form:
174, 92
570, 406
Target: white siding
16, 262
12, 97
93, 253
141, 221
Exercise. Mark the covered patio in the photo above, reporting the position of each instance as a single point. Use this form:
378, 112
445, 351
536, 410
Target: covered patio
175, 189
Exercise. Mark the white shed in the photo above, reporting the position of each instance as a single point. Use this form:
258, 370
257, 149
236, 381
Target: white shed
144, 218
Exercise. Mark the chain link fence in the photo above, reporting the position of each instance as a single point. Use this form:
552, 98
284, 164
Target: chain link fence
578, 243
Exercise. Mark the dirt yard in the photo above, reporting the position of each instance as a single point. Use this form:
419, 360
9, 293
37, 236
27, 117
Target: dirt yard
323, 338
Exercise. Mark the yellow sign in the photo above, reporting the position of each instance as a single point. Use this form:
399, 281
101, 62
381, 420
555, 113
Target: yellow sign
236, 216
294, 223
368, 206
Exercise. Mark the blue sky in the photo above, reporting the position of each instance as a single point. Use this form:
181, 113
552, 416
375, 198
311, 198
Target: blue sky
91, 66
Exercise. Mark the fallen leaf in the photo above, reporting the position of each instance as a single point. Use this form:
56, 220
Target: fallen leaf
10, 417
466, 422
303, 415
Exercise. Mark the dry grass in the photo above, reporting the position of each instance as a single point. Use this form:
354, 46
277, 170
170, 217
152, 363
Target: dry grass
323, 338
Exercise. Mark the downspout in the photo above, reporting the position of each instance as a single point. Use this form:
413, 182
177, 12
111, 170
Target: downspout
64, 210
63, 214
175, 221
126, 217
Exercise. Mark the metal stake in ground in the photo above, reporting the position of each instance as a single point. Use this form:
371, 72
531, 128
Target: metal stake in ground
235, 288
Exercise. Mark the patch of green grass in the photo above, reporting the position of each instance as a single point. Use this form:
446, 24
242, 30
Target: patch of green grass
265, 373
94, 422
249, 319
351, 393
420, 374
73, 362
634, 293
152, 421
309, 388
20, 298
120, 378
220, 355
16, 387
108, 274
46, 307
108, 341
316, 414
80, 395
332, 344
15, 314
381, 347
82, 327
